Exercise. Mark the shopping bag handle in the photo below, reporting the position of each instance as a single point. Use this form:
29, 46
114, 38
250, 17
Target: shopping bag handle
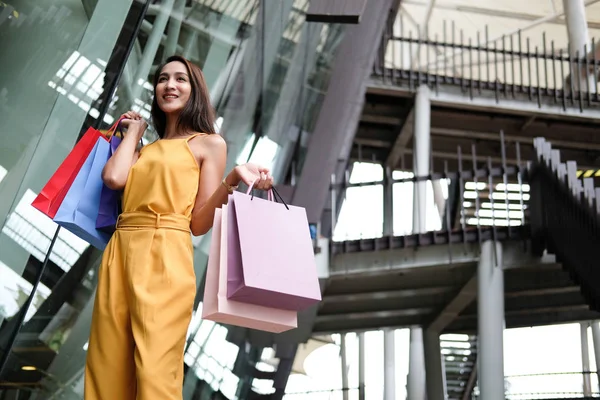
270, 196
117, 126
113, 129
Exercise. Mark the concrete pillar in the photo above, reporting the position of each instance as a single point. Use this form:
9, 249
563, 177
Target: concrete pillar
388, 203
490, 317
421, 156
596, 338
361, 366
344, 362
415, 386
434, 366
585, 360
389, 364
577, 30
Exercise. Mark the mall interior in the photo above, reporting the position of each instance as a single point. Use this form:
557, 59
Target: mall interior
444, 151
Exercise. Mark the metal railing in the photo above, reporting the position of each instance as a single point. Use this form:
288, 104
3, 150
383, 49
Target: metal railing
566, 217
480, 196
547, 385
510, 67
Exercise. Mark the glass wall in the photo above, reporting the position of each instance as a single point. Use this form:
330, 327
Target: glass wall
70, 64
54, 75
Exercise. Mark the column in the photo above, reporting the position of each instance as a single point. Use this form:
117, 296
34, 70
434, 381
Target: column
389, 365
361, 366
415, 387
344, 362
596, 338
577, 29
585, 360
421, 156
490, 318
434, 366
388, 203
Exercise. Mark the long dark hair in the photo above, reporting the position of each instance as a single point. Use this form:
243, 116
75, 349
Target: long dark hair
198, 114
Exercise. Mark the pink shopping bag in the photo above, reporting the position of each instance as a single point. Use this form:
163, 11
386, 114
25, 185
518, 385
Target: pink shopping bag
218, 308
277, 266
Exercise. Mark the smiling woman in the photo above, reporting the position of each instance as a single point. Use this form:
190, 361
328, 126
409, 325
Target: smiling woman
147, 285
176, 83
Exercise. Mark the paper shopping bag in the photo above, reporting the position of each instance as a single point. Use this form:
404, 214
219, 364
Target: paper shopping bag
218, 308
52, 194
79, 209
277, 266
110, 199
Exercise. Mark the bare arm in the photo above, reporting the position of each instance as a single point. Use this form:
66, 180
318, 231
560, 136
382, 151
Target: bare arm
211, 193
117, 168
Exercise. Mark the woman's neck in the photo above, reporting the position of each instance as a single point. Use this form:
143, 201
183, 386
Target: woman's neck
171, 128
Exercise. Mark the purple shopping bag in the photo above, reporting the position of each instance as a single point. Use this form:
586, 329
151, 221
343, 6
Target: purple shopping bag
271, 260
109, 199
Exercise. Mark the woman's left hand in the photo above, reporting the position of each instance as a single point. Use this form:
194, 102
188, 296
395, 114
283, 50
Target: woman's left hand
254, 174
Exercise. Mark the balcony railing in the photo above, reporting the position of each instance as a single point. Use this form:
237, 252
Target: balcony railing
508, 67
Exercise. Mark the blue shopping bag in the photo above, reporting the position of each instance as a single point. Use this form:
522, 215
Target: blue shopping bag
79, 209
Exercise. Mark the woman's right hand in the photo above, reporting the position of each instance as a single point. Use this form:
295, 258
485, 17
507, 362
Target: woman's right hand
134, 122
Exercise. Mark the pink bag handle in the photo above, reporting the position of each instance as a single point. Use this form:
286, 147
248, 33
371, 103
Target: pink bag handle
272, 195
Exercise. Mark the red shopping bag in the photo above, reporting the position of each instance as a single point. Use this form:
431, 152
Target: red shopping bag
53, 193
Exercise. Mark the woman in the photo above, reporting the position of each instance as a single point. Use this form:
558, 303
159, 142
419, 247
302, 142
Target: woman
146, 284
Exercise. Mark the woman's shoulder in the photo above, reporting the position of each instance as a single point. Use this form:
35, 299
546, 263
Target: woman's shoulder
211, 140
206, 145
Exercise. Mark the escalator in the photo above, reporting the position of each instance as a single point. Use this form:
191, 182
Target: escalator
565, 221
459, 353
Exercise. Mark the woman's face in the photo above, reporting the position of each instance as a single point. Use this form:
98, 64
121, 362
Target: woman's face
173, 88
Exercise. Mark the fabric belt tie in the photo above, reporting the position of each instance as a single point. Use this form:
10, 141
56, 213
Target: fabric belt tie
140, 219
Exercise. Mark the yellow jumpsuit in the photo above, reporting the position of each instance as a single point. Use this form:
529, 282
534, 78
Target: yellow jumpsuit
146, 283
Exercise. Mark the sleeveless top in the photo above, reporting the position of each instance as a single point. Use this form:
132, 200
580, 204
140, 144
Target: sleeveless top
164, 179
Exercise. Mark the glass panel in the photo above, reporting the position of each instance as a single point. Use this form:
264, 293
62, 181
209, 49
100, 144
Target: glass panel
55, 70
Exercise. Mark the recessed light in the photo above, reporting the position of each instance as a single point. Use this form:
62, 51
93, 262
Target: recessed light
28, 368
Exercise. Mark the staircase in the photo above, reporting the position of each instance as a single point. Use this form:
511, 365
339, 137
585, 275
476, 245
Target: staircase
460, 364
565, 218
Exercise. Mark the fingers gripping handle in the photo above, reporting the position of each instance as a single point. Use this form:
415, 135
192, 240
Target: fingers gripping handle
269, 192
113, 129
